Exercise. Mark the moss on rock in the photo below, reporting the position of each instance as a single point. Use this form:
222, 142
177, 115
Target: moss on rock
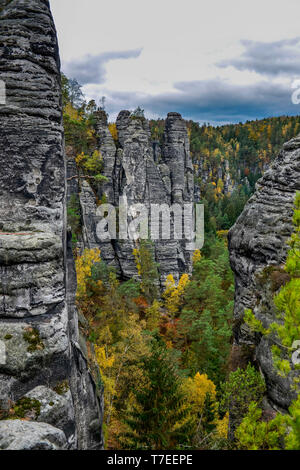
62, 387
32, 336
25, 408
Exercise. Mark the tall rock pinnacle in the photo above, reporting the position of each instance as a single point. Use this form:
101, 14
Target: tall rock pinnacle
41, 359
134, 172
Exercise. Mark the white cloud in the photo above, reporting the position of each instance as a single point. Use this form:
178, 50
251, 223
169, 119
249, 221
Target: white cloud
92, 69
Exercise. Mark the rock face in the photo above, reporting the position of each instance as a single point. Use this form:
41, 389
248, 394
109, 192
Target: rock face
141, 172
258, 250
24, 435
39, 334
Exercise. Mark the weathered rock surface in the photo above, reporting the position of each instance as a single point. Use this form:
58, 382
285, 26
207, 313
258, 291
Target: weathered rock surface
141, 172
25, 435
55, 408
38, 320
258, 250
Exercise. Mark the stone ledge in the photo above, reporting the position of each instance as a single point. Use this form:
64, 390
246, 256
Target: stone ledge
28, 435
16, 248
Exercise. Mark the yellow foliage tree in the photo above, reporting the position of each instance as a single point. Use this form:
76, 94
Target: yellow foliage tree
91, 165
147, 270
83, 266
222, 427
113, 130
223, 235
153, 315
121, 370
196, 390
106, 363
220, 185
196, 256
202, 404
137, 257
173, 294
80, 158
72, 113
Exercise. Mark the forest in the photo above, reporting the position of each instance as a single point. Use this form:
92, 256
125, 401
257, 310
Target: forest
164, 357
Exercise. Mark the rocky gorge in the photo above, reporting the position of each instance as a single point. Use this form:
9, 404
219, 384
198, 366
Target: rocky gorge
48, 373
51, 389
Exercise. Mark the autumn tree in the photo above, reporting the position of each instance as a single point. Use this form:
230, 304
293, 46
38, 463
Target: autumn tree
159, 418
114, 131
91, 166
77, 118
121, 366
173, 294
84, 265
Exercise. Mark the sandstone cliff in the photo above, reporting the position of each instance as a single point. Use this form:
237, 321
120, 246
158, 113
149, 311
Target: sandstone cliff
258, 250
43, 362
142, 173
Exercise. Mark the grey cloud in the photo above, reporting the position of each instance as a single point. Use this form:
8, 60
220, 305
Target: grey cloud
92, 69
211, 101
269, 58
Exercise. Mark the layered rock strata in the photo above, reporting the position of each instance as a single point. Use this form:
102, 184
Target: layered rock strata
41, 353
141, 172
258, 249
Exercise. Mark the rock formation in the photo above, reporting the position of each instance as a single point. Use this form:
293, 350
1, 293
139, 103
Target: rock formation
43, 356
141, 172
258, 250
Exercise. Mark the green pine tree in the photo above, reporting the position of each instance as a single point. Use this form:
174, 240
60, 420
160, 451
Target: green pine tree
159, 418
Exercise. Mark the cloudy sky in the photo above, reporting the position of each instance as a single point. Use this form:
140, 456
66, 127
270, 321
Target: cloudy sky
211, 60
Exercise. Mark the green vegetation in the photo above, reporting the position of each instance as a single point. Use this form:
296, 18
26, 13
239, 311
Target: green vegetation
252, 433
242, 152
242, 388
25, 408
78, 118
32, 336
205, 322
147, 270
256, 434
62, 387
81, 144
164, 360
148, 353
138, 113
158, 417
164, 357
74, 217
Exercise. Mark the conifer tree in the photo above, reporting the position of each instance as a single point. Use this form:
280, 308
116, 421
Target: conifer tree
147, 270
159, 418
